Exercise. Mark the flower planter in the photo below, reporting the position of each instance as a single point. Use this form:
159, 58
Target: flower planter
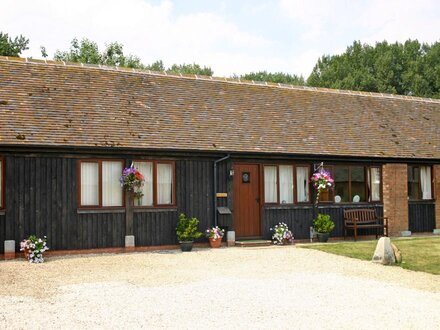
215, 242
323, 237
186, 246
26, 254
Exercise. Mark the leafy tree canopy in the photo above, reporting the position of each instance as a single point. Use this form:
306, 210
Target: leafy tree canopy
277, 77
410, 68
87, 51
191, 69
12, 47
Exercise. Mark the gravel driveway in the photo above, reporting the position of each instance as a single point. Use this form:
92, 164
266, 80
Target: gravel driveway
272, 287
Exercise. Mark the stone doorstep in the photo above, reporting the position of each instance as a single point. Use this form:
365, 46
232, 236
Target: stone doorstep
253, 243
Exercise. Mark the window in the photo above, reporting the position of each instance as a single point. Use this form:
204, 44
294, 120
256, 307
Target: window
2, 168
419, 182
270, 184
302, 184
286, 184
99, 183
279, 184
374, 184
354, 184
159, 187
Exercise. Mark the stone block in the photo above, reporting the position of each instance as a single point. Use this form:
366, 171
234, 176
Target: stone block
9, 249
230, 238
436, 231
405, 233
129, 241
384, 253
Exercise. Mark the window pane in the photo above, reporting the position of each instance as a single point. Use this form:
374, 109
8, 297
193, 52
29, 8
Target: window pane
164, 184
146, 169
302, 184
286, 184
425, 182
270, 184
358, 184
341, 183
111, 187
375, 183
89, 184
413, 182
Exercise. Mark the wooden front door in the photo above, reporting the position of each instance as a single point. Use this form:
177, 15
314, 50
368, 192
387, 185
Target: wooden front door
247, 200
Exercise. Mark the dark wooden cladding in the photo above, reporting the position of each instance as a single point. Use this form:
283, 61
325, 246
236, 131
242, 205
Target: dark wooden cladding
155, 228
421, 216
299, 219
2, 233
195, 190
41, 199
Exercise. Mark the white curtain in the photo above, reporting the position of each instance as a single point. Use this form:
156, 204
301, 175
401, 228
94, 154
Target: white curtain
89, 184
286, 184
425, 181
111, 187
374, 182
302, 186
164, 184
146, 169
270, 184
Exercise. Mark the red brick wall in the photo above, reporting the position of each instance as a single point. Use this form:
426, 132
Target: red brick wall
437, 195
395, 197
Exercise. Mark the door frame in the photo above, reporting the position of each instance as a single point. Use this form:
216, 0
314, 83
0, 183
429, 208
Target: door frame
260, 193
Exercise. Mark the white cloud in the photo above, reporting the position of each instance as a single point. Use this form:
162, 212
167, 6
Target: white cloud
149, 31
219, 38
399, 20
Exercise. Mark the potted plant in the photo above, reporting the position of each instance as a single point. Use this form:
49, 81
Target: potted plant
187, 232
132, 180
322, 181
33, 248
215, 235
281, 234
323, 226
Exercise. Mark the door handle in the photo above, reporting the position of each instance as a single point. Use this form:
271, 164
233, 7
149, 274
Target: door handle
257, 200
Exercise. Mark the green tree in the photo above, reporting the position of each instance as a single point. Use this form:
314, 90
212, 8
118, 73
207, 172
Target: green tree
277, 77
156, 66
12, 47
85, 51
191, 69
410, 68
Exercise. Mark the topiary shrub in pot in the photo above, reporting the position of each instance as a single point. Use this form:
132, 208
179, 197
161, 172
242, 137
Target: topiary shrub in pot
323, 226
187, 232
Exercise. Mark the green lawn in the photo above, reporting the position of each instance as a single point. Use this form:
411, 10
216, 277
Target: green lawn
420, 254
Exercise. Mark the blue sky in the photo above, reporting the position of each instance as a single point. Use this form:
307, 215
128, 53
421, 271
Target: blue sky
229, 36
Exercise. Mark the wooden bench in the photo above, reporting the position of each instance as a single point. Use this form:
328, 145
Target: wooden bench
363, 218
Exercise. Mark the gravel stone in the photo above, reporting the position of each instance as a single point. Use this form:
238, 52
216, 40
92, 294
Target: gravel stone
233, 288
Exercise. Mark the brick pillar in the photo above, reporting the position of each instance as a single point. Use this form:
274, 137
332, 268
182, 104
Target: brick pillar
436, 187
395, 197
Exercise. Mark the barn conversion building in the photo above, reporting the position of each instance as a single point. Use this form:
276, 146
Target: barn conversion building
68, 130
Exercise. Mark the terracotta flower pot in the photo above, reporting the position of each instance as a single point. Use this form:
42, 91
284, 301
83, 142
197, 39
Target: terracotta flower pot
26, 254
215, 243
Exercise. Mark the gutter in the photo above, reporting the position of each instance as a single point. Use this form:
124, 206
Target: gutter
215, 186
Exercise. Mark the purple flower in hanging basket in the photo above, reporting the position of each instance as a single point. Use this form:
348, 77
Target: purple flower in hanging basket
132, 180
322, 180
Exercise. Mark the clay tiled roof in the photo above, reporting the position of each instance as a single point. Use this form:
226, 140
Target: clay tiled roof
58, 104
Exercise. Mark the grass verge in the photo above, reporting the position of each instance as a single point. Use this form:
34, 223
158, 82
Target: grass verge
419, 254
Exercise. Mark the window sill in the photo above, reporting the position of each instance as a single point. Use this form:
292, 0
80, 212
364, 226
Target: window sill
421, 201
99, 211
155, 209
322, 205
